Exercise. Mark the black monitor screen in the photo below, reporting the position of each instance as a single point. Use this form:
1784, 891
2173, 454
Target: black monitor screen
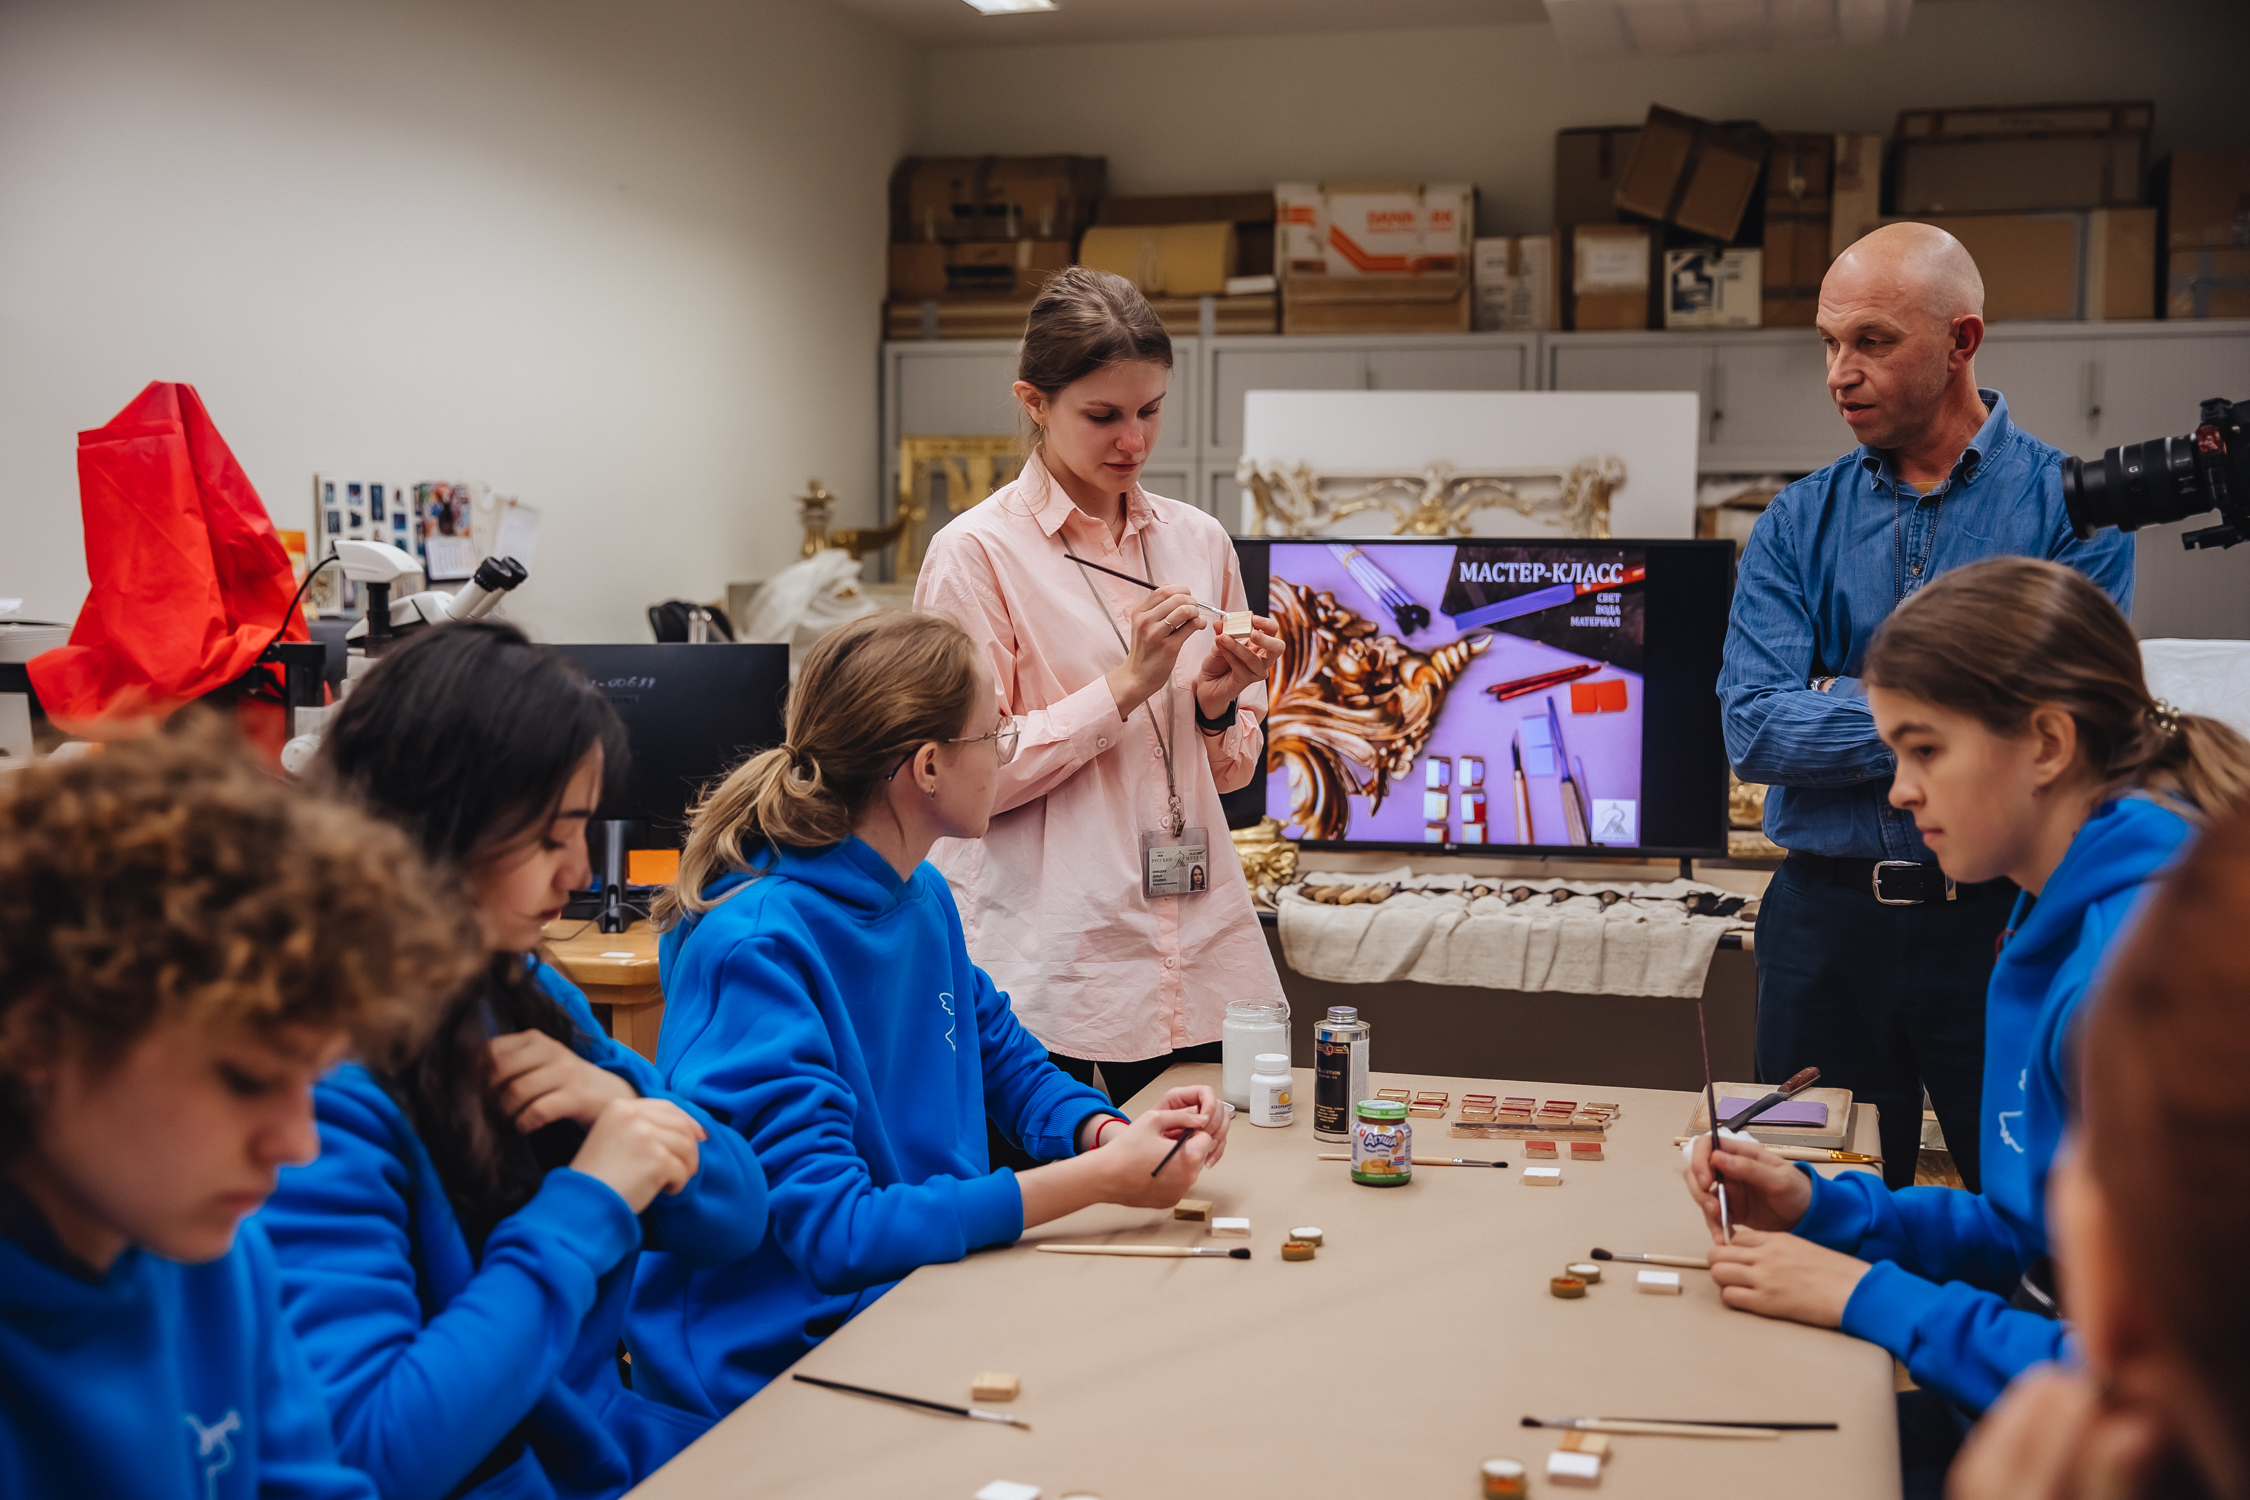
1540, 696
691, 714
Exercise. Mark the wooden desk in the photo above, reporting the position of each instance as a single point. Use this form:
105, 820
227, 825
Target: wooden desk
1393, 1364
617, 970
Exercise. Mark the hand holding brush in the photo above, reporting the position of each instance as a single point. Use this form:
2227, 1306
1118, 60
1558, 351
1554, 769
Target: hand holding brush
1764, 1191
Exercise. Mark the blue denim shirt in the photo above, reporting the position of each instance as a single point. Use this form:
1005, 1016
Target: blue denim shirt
1829, 560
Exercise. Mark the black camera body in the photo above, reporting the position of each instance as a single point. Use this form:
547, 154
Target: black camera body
2167, 479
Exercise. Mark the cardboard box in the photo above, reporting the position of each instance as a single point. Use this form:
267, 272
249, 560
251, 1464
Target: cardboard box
2021, 174
1375, 304
1712, 287
1588, 163
1164, 260
2208, 284
1800, 175
1004, 317
2205, 198
1252, 215
1515, 283
1375, 229
994, 268
1693, 173
1856, 196
947, 199
1610, 282
2099, 265
1981, 121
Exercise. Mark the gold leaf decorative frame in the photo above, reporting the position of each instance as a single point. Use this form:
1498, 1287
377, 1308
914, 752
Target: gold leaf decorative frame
1298, 500
969, 468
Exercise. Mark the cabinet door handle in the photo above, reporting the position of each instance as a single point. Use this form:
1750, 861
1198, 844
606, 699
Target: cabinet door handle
2093, 390
1718, 386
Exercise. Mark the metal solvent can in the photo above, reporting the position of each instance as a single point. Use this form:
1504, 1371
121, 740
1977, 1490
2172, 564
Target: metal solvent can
1339, 1071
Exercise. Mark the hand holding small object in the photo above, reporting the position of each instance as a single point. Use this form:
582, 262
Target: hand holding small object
1215, 1116
1156, 633
641, 1147
1782, 1276
1763, 1190
1128, 1159
1235, 665
541, 1081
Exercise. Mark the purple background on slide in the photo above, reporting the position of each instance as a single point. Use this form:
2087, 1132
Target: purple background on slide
1472, 722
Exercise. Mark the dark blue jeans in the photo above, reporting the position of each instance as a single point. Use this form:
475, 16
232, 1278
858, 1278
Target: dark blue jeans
1885, 1000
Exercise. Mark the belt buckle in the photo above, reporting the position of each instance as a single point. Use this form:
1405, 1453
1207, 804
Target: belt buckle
1875, 882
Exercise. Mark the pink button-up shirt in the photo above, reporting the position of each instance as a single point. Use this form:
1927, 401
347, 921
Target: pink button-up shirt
1051, 895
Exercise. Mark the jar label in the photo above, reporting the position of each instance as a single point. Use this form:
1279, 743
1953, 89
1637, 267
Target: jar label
1382, 1151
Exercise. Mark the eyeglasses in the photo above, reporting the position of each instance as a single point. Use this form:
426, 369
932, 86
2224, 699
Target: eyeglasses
1003, 740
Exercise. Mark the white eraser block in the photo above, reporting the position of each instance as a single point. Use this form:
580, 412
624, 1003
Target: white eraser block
1542, 1176
1574, 1468
1231, 1229
1661, 1283
1008, 1489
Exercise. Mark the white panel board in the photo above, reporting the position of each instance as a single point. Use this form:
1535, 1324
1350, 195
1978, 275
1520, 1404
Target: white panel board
1652, 432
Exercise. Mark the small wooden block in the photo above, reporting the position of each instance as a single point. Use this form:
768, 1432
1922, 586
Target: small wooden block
1585, 1150
1230, 1229
1427, 1111
1296, 1250
1660, 1283
1237, 626
1433, 1096
1196, 1210
1542, 1177
1478, 1117
1396, 1096
1524, 1099
1479, 1101
1596, 1443
1559, 1106
1565, 1467
995, 1385
1540, 1150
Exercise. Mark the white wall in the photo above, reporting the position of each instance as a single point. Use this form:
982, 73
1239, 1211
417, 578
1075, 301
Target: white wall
624, 262
1483, 103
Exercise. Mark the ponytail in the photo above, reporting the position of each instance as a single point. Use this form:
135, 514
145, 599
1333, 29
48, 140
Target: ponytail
2000, 638
872, 692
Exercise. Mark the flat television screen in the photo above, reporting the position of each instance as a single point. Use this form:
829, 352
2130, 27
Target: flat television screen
1540, 697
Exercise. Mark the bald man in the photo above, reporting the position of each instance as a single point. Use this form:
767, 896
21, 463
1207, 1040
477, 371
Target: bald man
1871, 965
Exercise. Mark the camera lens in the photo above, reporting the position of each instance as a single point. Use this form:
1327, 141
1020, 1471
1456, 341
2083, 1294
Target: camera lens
2139, 484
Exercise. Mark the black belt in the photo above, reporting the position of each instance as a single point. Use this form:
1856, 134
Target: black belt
1893, 882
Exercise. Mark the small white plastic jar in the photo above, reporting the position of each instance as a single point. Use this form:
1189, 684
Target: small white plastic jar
1270, 1085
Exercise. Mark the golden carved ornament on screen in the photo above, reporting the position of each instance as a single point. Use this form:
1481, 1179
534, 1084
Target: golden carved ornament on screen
1351, 708
1298, 500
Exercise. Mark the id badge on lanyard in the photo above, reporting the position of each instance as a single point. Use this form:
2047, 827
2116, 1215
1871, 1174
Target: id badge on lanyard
1175, 864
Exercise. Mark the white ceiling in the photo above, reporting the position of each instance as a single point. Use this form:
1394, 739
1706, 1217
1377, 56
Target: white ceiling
953, 23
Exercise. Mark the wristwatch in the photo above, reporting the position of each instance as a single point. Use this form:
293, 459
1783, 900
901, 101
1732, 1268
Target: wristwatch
1823, 684
1219, 725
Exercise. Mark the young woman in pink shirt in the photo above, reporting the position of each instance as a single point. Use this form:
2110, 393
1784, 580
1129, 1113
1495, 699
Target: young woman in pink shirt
1136, 713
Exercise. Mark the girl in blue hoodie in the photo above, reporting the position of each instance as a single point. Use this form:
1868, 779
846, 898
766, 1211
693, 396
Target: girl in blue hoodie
457, 1262
2028, 746
820, 1003
186, 944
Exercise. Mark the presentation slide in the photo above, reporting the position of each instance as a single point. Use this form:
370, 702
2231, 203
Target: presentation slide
1484, 692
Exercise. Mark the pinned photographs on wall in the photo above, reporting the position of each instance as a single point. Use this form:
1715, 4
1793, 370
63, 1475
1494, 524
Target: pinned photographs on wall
448, 526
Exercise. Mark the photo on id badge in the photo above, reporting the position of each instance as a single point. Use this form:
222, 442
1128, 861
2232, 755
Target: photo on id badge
1175, 866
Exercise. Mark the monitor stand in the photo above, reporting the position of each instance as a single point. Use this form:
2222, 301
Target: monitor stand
619, 909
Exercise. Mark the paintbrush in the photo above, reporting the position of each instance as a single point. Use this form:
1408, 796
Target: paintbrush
958, 1411
1805, 1153
1129, 578
1634, 1426
1799, 1081
1711, 1103
1650, 1258
1573, 810
1523, 792
1382, 588
1423, 1161
1174, 1252
1175, 1151
1517, 687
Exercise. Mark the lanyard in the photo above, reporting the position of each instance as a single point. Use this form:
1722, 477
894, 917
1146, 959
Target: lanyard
1176, 819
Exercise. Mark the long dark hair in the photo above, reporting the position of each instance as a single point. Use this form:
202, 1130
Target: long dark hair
466, 736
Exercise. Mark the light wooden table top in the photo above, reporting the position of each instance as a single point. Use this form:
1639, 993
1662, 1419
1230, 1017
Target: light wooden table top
587, 955
1395, 1363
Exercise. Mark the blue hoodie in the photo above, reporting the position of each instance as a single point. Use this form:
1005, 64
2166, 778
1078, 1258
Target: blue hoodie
1945, 1261
156, 1382
830, 1013
436, 1361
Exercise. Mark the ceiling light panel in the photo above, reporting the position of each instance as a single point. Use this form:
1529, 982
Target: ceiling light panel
1009, 7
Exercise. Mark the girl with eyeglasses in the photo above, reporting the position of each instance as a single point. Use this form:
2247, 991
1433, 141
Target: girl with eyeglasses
820, 1000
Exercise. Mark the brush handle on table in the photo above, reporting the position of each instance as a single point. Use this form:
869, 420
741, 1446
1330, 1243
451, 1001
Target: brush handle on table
1421, 1161
1174, 1251
1674, 1429
1807, 1153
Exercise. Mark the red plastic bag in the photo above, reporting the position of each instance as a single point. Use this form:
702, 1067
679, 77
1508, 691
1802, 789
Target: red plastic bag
189, 580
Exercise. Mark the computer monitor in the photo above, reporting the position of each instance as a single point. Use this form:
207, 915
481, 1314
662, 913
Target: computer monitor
691, 714
1531, 696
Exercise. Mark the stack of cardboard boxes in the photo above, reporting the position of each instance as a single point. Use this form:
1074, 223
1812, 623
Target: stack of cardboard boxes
1377, 257
1193, 256
2204, 197
973, 238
